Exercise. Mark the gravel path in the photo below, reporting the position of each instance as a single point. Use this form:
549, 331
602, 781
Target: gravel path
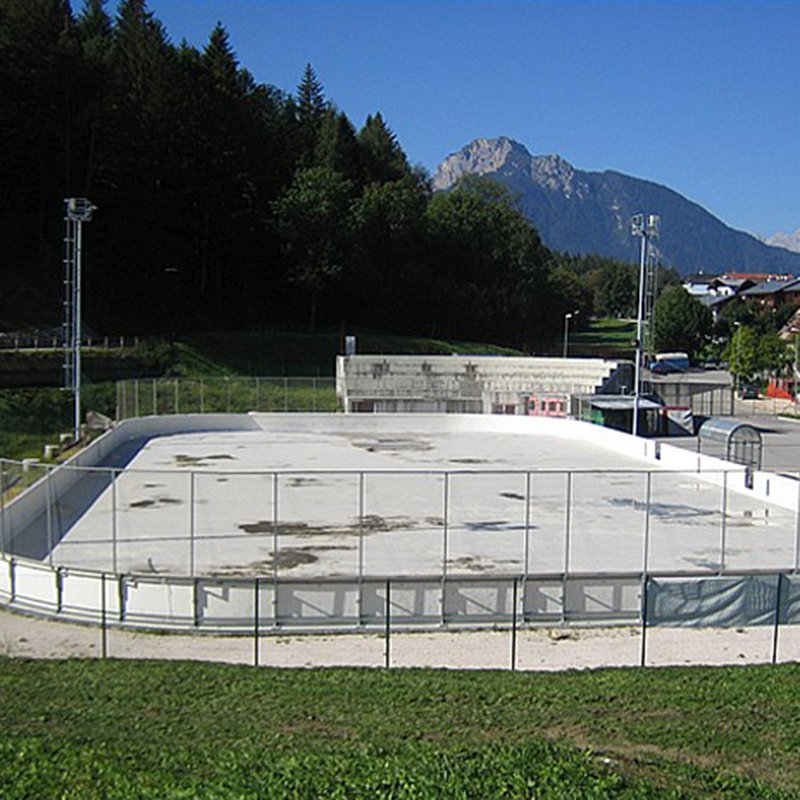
23, 636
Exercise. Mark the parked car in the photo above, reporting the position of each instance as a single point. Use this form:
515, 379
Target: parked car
748, 391
668, 363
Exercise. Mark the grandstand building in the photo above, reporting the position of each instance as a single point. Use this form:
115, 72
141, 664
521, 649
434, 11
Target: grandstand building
459, 384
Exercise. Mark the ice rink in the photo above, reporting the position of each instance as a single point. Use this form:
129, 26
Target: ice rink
414, 499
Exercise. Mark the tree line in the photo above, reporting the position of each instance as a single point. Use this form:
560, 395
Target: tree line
225, 202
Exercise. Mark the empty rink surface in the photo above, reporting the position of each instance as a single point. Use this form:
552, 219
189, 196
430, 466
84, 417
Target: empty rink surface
402, 497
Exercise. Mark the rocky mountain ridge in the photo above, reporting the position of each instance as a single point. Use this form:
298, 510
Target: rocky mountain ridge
789, 241
583, 212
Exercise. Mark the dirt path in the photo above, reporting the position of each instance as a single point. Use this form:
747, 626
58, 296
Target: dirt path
23, 636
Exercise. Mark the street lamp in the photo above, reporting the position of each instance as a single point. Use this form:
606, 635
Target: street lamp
567, 318
645, 226
78, 211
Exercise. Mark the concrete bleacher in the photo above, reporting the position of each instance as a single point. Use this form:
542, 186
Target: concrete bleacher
474, 384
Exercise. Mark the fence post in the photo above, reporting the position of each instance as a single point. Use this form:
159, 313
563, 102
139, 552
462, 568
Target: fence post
723, 530
567, 524
360, 548
49, 509
646, 543
285, 394
275, 546
777, 619
388, 624
103, 616
114, 561
256, 621
445, 513
797, 529
191, 524
643, 656
514, 625
177, 398
527, 548
121, 598
196, 602
3, 508
202, 397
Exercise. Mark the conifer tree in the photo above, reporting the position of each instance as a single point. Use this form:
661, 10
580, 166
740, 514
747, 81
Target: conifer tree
220, 60
337, 146
383, 158
310, 107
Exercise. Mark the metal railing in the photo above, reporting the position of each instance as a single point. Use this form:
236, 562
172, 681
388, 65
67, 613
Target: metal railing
196, 519
510, 622
47, 340
145, 397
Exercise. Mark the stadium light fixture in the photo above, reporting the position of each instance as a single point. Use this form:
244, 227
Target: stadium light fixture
78, 211
645, 226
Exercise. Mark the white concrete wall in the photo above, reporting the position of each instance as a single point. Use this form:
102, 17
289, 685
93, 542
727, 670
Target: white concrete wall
421, 379
228, 605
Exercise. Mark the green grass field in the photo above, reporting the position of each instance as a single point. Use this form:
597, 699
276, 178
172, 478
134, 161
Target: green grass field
303, 354
115, 729
610, 337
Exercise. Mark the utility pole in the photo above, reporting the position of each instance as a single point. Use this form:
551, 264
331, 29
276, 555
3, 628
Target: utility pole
78, 211
645, 226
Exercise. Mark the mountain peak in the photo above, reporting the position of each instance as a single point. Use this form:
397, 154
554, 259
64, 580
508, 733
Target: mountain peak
509, 158
788, 241
557, 174
578, 211
482, 157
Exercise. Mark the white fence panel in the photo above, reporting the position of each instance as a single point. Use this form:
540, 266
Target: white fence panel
35, 587
159, 603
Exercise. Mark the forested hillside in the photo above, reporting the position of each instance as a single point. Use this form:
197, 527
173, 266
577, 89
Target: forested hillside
229, 203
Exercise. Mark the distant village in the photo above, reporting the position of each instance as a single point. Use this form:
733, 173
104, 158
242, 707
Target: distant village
767, 291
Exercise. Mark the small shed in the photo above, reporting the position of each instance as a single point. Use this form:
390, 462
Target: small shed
741, 442
616, 411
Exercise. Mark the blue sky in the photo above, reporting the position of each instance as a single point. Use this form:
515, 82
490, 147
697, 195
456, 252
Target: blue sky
700, 95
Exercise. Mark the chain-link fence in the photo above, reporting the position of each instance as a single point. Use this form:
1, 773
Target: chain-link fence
145, 397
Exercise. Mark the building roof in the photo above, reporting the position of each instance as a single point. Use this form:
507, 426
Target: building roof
757, 277
712, 300
773, 287
622, 402
733, 283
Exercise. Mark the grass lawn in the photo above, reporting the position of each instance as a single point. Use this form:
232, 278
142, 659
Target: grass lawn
610, 337
303, 354
116, 729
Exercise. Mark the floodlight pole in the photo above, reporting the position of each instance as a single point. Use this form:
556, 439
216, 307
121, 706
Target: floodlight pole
567, 318
78, 211
644, 226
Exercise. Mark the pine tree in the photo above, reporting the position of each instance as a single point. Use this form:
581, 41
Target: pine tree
337, 146
94, 27
141, 52
37, 77
310, 107
220, 60
383, 158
